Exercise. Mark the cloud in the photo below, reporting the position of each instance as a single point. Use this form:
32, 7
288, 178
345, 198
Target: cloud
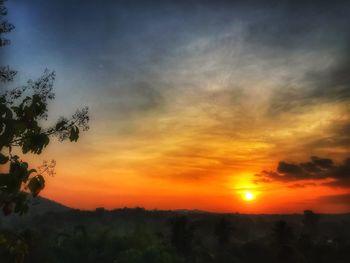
139, 97
315, 169
303, 185
331, 84
307, 31
173, 74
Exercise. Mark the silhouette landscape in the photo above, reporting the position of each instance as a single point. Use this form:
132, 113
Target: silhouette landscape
174, 131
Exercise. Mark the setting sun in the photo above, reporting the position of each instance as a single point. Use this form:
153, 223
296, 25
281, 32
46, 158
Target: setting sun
248, 196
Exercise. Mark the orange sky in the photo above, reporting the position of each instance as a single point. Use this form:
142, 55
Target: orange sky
188, 102
157, 166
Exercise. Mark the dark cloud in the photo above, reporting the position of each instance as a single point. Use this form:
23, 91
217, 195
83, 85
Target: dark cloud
316, 169
297, 185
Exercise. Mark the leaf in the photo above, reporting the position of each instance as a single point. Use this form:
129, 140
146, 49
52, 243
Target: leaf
17, 174
3, 159
60, 125
74, 134
38, 106
36, 184
31, 171
27, 174
19, 127
35, 143
7, 134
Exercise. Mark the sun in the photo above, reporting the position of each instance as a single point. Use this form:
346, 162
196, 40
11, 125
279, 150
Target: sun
248, 196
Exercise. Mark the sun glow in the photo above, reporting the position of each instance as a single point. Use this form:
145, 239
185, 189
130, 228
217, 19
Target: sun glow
248, 196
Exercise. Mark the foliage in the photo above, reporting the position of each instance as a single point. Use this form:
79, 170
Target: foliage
6, 73
182, 232
310, 222
15, 247
223, 231
282, 233
149, 236
22, 113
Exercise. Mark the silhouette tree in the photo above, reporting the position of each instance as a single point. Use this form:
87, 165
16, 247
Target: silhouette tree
22, 112
6, 74
223, 231
284, 239
182, 233
282, 233
310, 222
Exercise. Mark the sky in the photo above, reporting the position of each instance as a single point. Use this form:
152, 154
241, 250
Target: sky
194, 104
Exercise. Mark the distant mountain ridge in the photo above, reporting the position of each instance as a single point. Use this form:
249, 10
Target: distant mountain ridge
38, 206
41, 205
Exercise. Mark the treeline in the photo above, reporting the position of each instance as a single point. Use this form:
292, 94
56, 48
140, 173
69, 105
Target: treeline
140, 236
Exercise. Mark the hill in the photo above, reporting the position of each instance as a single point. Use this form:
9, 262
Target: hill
37, 207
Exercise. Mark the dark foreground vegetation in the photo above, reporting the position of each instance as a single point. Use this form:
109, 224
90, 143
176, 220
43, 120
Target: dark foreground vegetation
137, 235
